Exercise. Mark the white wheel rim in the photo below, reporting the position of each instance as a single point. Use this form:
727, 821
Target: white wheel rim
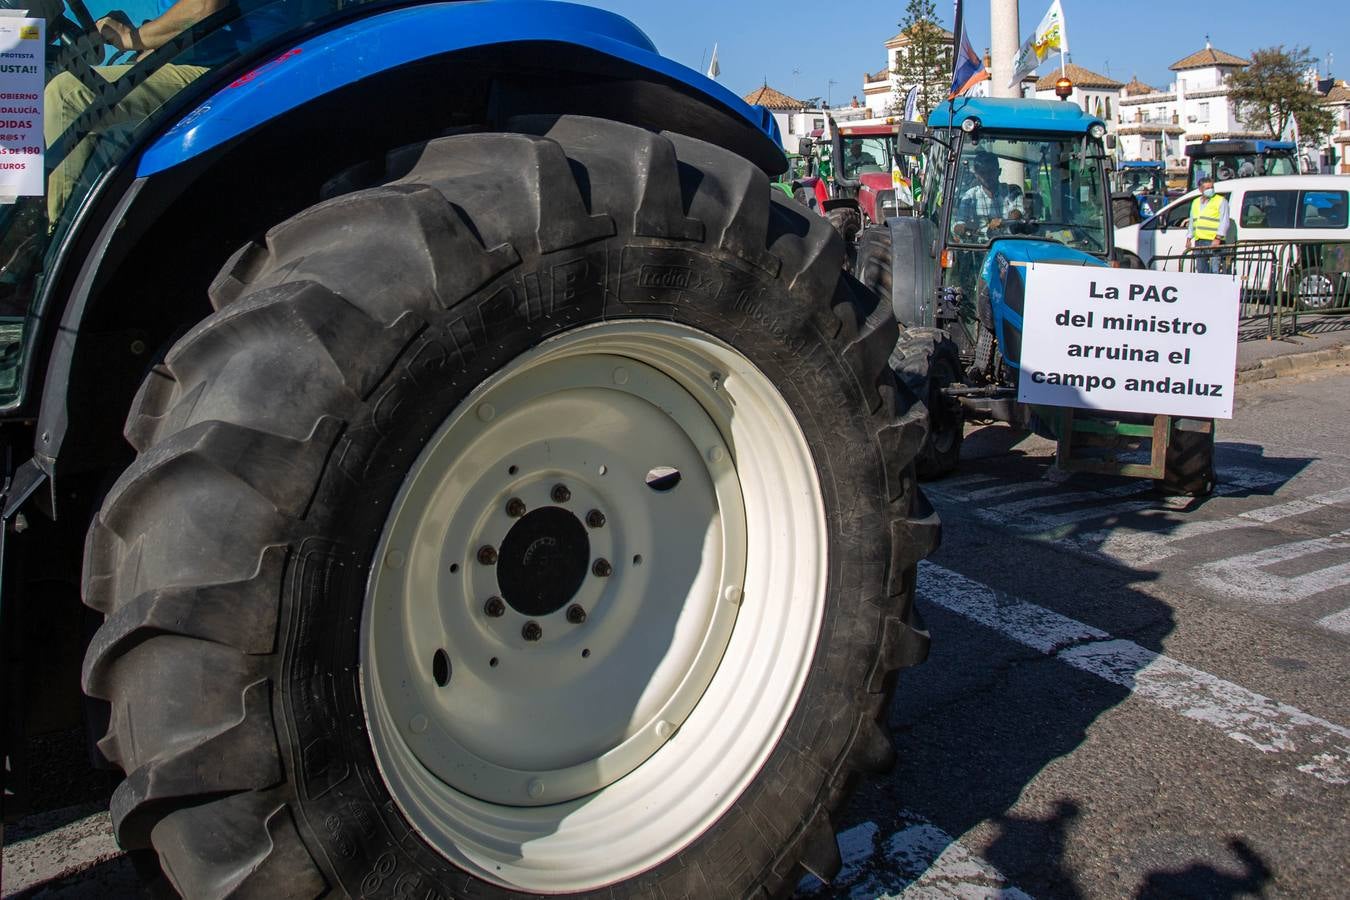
591, 750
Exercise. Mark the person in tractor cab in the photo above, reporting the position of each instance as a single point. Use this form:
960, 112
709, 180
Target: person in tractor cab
1208, 225
984, 205
856, 158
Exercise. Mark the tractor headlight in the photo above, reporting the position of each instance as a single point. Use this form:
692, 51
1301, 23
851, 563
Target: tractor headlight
970, 124
1097, 131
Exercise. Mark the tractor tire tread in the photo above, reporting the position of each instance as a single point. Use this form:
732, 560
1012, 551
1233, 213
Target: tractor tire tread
219, 495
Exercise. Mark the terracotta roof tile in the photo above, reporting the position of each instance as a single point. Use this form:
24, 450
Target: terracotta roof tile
1207, 57
772, 99
1339, 93
1080, 77
1137, 88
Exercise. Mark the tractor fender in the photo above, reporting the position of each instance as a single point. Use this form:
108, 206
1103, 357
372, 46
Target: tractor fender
648, 90
913, 270
358, 49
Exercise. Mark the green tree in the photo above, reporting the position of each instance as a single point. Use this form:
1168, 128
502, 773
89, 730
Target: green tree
1273, 90
925, 60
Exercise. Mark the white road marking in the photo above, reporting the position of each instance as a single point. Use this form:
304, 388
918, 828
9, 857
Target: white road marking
1247, 576
1313, 745
918, 861
1147, 547
58, 853
1032, 513
1337, 622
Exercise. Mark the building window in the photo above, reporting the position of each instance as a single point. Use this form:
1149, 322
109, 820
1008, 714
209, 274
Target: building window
1202, 111
1108, 107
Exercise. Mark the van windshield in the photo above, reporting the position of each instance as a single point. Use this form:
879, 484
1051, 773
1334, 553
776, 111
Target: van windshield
80, 86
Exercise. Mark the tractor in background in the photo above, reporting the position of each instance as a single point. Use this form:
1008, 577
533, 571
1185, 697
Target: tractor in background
1007, 183
1138, 190
872, 167
1223, 160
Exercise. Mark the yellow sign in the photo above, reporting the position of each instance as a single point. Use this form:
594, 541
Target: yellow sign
29, 32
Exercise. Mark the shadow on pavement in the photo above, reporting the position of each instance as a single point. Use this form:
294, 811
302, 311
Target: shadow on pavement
1203, 880
978, 723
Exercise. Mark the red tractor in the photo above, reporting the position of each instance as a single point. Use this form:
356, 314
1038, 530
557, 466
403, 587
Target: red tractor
871, 162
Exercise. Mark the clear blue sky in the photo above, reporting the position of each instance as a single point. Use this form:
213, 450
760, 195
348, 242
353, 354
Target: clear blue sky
799, 46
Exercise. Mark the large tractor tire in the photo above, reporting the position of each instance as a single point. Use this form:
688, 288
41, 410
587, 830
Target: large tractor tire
1189, 466
925, 361
539, 521
847, 220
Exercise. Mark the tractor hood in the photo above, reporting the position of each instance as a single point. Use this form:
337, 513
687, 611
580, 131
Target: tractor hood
1002, 288
876, 181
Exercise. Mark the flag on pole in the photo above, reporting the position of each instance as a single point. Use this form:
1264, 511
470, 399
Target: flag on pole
911, 103
967, 67
714, 69
1048, 37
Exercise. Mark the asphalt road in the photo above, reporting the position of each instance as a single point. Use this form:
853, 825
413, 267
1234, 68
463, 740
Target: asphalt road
1129, 695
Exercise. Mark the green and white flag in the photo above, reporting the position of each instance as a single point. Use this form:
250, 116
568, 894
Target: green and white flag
1049, 36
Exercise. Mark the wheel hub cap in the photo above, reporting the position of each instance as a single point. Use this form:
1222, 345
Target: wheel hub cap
543, 562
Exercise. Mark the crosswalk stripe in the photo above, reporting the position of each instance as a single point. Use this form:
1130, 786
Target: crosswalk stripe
1337, 622
919, 860
1147, 547
58, 853
1248, 577
1313, 745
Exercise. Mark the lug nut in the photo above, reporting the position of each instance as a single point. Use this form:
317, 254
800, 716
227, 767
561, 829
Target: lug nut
561, 494
531, 631
602, 568
595, 519
487, 555
494, 607
575, 614
515, 507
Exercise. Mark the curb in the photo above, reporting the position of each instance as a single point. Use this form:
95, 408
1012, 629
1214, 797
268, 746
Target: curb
1295, 363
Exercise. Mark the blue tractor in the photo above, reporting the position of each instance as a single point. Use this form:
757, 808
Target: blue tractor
1007, 183
1138, 190
1222, 160
459, 472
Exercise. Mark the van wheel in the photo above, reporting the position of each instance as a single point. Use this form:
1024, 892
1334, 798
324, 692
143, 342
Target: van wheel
540, 521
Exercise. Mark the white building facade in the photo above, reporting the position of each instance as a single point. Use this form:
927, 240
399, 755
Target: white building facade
1158, 124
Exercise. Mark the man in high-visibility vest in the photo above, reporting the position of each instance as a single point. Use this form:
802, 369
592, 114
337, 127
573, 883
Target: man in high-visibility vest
1208, 225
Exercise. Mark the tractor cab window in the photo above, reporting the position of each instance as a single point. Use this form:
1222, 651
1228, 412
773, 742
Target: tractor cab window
1241, 165
863, 155
1141, 181
1046, 188
99, 103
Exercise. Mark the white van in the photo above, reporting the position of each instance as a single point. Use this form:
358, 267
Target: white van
1262, 208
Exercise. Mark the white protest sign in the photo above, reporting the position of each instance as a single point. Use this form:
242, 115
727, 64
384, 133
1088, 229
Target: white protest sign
1127, 340
22, 59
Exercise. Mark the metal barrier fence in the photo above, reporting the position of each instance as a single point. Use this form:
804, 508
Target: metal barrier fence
1281, 281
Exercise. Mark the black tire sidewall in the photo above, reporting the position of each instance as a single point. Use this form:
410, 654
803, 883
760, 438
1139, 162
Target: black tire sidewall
345, 812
